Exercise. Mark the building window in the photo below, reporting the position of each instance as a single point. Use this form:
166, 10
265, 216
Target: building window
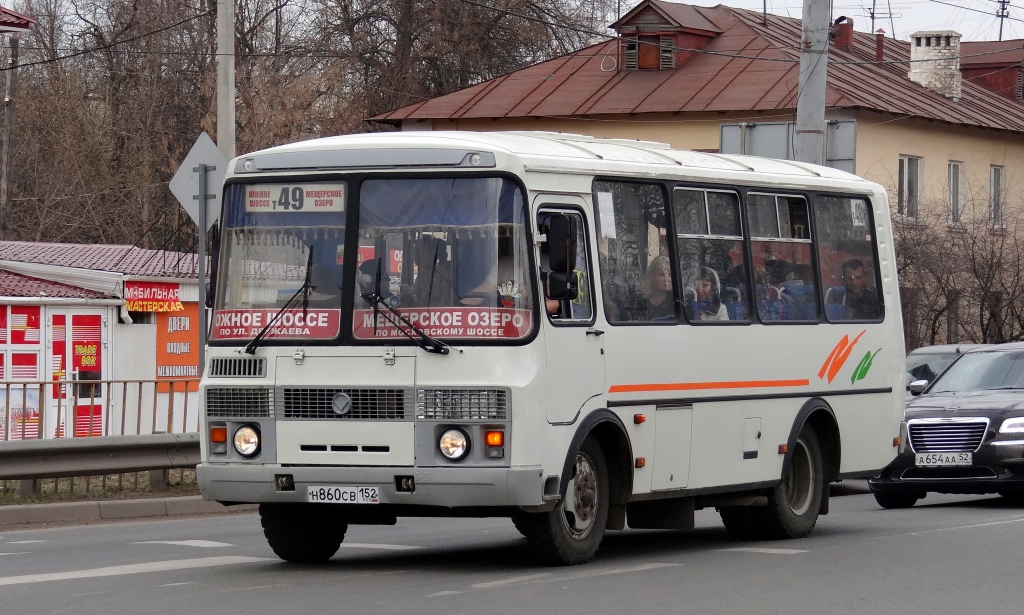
954, 198
995, 196
909, 188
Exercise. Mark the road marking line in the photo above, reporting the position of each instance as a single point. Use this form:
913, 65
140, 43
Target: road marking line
510, 580
177, 584
115, 571
764, 550
24, 542
957, 527
357, 545
17, 553
185, 543
444, 593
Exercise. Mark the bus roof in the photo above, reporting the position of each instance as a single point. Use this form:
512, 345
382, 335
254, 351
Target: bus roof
540, 151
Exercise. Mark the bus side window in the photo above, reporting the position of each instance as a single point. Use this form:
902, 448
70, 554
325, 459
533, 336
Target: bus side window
581, 308
780, 244
846, 251
636, 278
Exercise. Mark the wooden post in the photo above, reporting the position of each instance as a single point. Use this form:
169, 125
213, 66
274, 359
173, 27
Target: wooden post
8, 154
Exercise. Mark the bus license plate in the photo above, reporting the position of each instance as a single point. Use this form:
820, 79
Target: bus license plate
335, 494
943, 459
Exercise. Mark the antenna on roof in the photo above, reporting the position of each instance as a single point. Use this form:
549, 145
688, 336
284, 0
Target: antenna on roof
764, 13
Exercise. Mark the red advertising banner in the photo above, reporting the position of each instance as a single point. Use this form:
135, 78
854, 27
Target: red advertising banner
315, 324
24, 324
177, 348
459, 323
88, 421
24, 366
87, 343
152, 297
3, 324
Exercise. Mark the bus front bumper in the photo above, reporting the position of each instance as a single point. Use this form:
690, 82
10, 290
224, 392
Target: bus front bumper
441, 487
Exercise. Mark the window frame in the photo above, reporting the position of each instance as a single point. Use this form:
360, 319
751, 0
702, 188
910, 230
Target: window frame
955, 194
996, 200
909, 204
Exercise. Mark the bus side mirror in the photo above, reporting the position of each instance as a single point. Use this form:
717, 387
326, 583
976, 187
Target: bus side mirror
214, 257
561, 232
562, 286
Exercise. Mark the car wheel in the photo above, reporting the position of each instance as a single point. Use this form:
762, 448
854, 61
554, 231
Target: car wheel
895, 499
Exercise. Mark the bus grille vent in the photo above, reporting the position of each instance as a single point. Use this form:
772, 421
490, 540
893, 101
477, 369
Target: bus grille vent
238, 367
947, 436
462, 404
239, 402
366, 404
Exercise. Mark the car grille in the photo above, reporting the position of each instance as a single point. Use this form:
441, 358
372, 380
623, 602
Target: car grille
947, 436
238, 402
372, 404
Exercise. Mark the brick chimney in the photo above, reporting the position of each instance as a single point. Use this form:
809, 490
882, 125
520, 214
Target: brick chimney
841, 34
879, 45
940, 72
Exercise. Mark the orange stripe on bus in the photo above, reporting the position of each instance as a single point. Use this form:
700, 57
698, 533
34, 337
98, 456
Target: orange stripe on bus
697, 386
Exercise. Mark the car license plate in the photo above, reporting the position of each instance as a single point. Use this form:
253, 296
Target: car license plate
335, 494
943, 459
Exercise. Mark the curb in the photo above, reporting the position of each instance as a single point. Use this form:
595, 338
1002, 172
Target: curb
100, 510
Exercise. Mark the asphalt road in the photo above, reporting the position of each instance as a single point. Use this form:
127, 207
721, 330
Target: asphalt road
948, 554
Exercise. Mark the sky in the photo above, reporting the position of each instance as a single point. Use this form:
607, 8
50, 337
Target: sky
975, 20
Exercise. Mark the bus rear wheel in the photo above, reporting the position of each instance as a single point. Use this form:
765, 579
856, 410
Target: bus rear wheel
303, 533
793, 504
572, 532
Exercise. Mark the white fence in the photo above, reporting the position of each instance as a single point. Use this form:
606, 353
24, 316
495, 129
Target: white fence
49, 409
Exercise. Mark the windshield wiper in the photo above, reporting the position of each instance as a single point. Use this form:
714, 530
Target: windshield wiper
425, 341
307, 282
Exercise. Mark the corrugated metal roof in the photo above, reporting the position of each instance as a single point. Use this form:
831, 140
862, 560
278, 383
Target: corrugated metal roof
12, 21
127, 260
748, 67
992, 52
23, 286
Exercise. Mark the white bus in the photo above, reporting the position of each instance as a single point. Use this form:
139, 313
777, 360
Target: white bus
578, 334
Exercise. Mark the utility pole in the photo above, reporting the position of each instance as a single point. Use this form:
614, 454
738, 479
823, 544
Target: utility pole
809, 142
1002, 13
8, 155
226, 78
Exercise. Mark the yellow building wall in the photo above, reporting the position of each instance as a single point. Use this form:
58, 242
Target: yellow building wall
881, 140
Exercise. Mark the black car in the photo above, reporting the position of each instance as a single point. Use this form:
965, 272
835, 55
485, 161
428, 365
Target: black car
964, 433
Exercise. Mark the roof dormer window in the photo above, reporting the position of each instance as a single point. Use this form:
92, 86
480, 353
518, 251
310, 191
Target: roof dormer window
649, 52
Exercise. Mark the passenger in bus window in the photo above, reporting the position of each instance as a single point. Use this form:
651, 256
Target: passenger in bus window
708, 305
860, 299
658, 285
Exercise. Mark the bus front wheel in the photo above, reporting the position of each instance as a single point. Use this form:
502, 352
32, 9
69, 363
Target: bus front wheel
572, 532
302, 533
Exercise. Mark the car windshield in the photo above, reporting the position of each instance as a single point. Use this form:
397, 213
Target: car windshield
928, 365
981, 371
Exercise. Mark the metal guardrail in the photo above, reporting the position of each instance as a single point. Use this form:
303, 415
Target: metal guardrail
32, 459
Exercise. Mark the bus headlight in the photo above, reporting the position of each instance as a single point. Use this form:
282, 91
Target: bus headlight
454, 444
247, 440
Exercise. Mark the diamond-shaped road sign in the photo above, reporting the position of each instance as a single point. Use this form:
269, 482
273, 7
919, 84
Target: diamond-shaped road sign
185, 183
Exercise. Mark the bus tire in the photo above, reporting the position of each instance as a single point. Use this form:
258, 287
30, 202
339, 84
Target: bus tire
302, 533
895, 499
572, 532
794, 503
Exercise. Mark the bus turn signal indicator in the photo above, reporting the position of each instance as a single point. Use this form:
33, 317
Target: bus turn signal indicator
219, 435
495, 438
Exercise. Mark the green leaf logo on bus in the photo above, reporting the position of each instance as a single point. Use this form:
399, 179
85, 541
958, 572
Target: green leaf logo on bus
863, 366
837, 358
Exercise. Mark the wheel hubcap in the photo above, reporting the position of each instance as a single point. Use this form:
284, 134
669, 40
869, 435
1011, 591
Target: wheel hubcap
801, 479
579, 507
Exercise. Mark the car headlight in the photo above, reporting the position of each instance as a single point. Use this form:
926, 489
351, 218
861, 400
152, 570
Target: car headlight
454, 444
1015, 425
247, 440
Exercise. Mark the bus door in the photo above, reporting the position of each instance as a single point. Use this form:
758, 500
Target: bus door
574, 349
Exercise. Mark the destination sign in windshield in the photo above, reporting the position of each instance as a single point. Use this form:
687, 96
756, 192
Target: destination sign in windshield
296, 198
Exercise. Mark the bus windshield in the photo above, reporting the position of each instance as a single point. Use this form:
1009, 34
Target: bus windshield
450, 255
